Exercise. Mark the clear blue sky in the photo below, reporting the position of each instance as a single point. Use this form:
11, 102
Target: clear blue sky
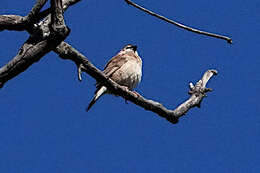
43, 123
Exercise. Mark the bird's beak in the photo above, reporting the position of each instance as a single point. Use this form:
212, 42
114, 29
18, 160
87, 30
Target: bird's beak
135, 47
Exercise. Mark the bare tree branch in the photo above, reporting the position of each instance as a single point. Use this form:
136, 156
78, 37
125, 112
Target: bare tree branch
32, 51
48, 36
19, 23
12, 22
36, 46
229, 40
65, 3
66, 51
35, 11
57, 19
197, 92
29, 53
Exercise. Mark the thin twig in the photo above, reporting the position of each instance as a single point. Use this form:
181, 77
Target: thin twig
229, 40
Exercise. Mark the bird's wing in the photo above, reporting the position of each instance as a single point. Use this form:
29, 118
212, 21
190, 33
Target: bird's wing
114, 64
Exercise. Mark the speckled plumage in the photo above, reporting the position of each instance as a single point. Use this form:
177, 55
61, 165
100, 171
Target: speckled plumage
125, 69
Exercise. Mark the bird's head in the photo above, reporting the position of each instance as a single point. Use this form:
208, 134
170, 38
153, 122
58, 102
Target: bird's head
130, 47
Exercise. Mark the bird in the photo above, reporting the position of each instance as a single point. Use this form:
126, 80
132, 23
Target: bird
125, 69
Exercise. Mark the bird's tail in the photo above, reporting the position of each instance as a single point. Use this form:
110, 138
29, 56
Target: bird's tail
97, 95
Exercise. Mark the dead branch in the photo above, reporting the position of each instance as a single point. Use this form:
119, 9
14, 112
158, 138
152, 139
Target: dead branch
42, 41
48, 35
12, 22
19, 23
35, 10
46, 12
197, 92
229, 40
57, 19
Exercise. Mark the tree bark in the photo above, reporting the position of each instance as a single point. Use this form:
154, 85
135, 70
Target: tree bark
48, 30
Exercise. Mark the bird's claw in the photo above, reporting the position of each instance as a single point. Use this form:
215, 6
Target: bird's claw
80, 66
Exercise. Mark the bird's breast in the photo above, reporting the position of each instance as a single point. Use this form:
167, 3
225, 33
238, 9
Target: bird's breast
129, 74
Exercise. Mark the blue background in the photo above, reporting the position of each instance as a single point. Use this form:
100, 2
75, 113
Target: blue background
43, 123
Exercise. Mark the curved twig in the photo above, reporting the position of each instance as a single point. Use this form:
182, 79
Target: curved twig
229, 40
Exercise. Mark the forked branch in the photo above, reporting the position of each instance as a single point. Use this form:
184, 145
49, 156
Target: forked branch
197, 92
37, 45
48, 35
229, 40
19, 23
